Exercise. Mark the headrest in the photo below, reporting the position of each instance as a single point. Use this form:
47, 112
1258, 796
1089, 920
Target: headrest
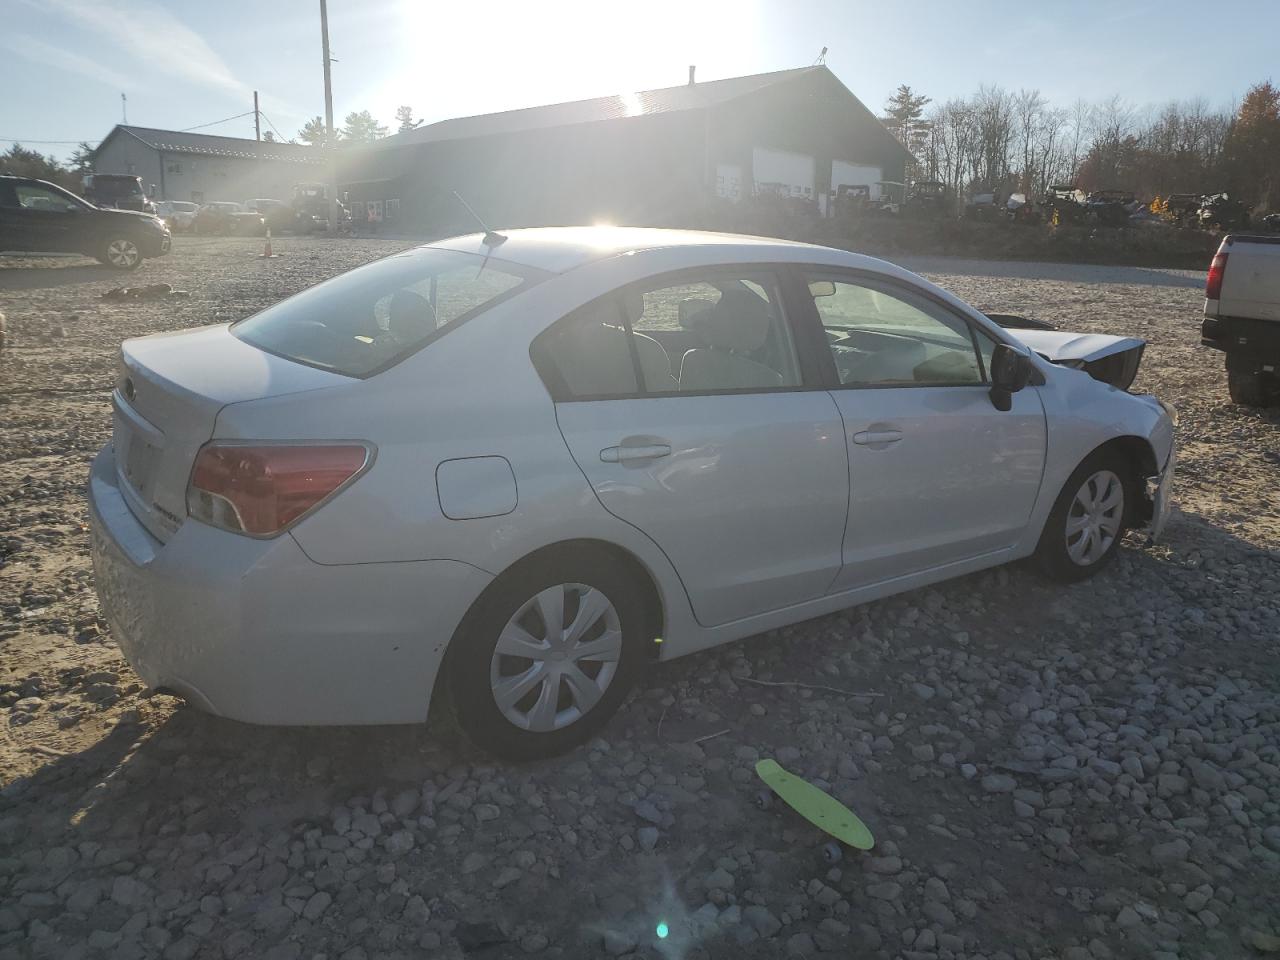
410, 316
738, 322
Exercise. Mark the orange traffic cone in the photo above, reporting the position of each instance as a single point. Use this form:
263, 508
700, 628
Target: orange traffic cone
266, 250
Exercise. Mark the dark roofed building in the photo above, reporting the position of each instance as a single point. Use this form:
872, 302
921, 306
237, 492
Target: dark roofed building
651, 157
176, 165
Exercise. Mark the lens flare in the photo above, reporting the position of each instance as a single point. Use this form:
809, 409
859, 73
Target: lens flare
662, 931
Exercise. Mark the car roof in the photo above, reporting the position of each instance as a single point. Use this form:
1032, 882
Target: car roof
559, 249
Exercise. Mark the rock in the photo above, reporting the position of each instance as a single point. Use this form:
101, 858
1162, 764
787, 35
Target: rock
1171, 852
404, 803
129, 892
923, 752
923, 691
400, 843
1170, 785
761, 920
507, 876
533, 943
416, 911
719, 879
998, 783
1196, 900
617, 942
647, 837
1128, 917
473, 861
484, 812
968, 771
884, 865
800, 945
1133, 767
887, 890
317, 905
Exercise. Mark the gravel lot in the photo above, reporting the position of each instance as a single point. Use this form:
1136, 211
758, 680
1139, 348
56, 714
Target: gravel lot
1050, 772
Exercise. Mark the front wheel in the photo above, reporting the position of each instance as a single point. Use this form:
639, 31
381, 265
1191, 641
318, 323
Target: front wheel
121, 253
1084, 528
546, 656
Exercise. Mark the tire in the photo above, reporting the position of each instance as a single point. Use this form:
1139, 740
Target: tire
121, 253
1069, 555
1248, 387
529, 724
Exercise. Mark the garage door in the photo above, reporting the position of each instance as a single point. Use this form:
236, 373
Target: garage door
780, 172
842, 171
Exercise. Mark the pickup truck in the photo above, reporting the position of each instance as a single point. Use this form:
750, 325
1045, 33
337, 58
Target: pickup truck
1242, 316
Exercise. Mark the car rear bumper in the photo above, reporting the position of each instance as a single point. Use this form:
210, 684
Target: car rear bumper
255, 631
1259, 339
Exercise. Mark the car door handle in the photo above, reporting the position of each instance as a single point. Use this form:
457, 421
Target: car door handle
650, 451
868, 437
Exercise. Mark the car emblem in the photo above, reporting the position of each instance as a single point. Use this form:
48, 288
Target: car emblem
129, 391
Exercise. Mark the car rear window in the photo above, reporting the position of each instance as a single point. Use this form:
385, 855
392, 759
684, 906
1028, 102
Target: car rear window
367, 320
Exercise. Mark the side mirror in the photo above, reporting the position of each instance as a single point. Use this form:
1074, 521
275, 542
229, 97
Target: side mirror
1010, 372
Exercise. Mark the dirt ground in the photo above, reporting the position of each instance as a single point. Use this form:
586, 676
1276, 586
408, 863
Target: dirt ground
1051, 772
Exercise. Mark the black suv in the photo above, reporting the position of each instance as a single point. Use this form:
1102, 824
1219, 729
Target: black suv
41, 217
117, 190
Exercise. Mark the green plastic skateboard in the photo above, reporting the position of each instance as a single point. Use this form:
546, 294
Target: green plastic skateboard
817, 806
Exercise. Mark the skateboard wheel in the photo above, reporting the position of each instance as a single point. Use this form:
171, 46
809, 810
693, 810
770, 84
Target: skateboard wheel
764, 799
831, 852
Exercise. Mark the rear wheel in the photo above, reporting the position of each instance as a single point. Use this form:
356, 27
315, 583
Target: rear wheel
121, 253
1084, 528
1250, 386
547, 655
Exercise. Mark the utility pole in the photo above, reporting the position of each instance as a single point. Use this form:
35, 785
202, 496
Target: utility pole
124, 106
328, 121
257, 125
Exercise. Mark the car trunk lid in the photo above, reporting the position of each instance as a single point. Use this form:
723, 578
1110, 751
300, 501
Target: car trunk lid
169, 391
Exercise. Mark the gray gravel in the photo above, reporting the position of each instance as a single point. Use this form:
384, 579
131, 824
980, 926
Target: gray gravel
1075, 773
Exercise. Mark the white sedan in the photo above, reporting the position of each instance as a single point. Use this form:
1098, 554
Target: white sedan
515, 467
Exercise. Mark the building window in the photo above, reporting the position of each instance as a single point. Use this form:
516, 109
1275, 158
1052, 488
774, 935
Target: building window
393, 209
173, 168
377, 209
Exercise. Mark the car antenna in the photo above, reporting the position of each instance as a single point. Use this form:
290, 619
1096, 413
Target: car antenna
491, 239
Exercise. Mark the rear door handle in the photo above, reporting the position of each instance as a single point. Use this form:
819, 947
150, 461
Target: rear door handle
649, 451
868, 437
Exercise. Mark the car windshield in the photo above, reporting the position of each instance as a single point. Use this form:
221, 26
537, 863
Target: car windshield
364, 321
224, 207
182, 206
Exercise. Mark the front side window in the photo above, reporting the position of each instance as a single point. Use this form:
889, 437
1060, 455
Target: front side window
31, 197
881, 339
366, 320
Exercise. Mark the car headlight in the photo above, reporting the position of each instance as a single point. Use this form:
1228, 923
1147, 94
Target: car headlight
1171, 410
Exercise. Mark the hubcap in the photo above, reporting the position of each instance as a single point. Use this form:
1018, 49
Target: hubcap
1094, 520
556, 657
122, 253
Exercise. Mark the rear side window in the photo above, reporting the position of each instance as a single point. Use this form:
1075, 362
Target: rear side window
364, 321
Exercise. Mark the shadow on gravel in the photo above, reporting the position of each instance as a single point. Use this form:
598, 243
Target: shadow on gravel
56, 274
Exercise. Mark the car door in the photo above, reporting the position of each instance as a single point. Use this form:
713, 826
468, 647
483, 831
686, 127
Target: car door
44, 220
937, 475
689, 409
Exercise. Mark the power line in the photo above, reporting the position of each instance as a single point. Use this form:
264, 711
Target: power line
272, 126
200, 126
29, 140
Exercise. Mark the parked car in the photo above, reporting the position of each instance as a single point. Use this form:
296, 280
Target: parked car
41, 217
178, 215
1242, 316
277, 214
118, 191
225, 217
515, 467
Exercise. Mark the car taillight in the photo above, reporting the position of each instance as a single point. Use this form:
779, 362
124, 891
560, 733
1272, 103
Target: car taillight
1213, 284
259, 489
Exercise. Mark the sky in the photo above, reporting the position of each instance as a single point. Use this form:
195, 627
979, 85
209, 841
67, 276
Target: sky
184, 63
